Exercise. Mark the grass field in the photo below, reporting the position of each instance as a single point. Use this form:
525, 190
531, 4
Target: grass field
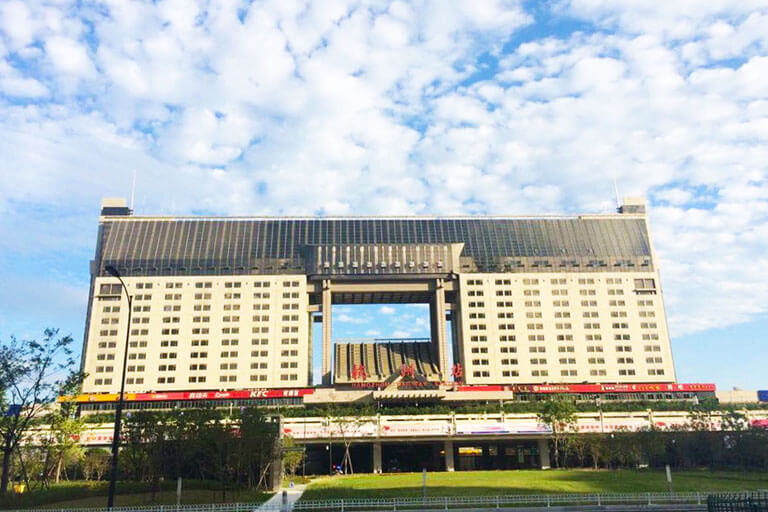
528, 482
462, 483
94, 494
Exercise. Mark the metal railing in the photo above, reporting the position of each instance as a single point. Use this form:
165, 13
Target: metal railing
499, 501
438, 503
738, 502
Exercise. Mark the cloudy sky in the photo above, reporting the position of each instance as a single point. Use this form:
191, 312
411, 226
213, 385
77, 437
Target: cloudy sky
441, 107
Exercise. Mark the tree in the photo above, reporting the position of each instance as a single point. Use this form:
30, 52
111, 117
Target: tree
347, 427
259, 444
293, 455
596, 447
28, 385
95, 463
578, 446
560, 414
61, 445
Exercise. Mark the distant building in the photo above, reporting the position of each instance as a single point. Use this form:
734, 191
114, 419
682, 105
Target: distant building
231, 303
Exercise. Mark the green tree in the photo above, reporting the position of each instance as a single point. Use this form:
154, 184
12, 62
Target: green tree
95, 463
560, 414
293, 455
596, 448
259, 444
29, 384
61, 446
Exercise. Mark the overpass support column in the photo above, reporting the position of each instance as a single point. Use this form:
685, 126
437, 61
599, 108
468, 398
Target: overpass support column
449, 456
437, 311
327, 331
377, 457
276, 468
544, 453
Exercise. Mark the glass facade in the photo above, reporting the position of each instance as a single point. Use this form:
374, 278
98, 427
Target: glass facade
138, 246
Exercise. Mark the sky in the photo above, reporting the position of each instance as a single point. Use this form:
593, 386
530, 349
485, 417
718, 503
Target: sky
341, 107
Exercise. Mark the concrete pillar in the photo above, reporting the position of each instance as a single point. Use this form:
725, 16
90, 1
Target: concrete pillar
276, 468
377, 457
449, 466
437, 314
327, 332
544, 453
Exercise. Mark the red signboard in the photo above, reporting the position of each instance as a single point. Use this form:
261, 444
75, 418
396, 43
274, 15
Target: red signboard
593, 388
173, 396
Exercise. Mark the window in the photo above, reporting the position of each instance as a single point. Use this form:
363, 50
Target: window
645, 284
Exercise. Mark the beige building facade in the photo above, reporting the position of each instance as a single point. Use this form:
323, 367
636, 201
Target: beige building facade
230, 303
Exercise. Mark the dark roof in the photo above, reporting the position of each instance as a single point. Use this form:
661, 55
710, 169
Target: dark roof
192, 246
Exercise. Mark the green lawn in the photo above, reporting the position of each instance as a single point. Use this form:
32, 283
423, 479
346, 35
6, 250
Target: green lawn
94, 494
466, 483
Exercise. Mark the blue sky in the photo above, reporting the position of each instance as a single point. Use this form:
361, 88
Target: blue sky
428, 107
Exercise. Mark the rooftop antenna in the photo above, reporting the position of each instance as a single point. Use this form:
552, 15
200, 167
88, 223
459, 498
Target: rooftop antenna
616, 191
133, 188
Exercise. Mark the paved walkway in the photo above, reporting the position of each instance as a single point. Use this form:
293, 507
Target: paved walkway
293, 493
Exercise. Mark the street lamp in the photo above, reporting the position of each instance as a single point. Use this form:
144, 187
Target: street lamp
119, 409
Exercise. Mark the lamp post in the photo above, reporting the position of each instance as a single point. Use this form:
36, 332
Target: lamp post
119, 409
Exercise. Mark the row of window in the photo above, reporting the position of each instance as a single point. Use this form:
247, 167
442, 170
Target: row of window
289, 377
565, 373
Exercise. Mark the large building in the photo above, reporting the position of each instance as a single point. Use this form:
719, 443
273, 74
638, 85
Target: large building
231, 303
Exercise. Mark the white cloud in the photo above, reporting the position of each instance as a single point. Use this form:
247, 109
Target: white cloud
345, 318
22, 87
362, 108
69, 56
16, 23
387, 310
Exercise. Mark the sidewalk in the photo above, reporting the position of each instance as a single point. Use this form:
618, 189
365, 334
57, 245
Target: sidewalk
293, 494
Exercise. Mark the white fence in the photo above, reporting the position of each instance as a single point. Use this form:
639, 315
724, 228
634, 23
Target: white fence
427, 503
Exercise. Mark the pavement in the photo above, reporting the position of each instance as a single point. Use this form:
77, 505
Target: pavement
292, 496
